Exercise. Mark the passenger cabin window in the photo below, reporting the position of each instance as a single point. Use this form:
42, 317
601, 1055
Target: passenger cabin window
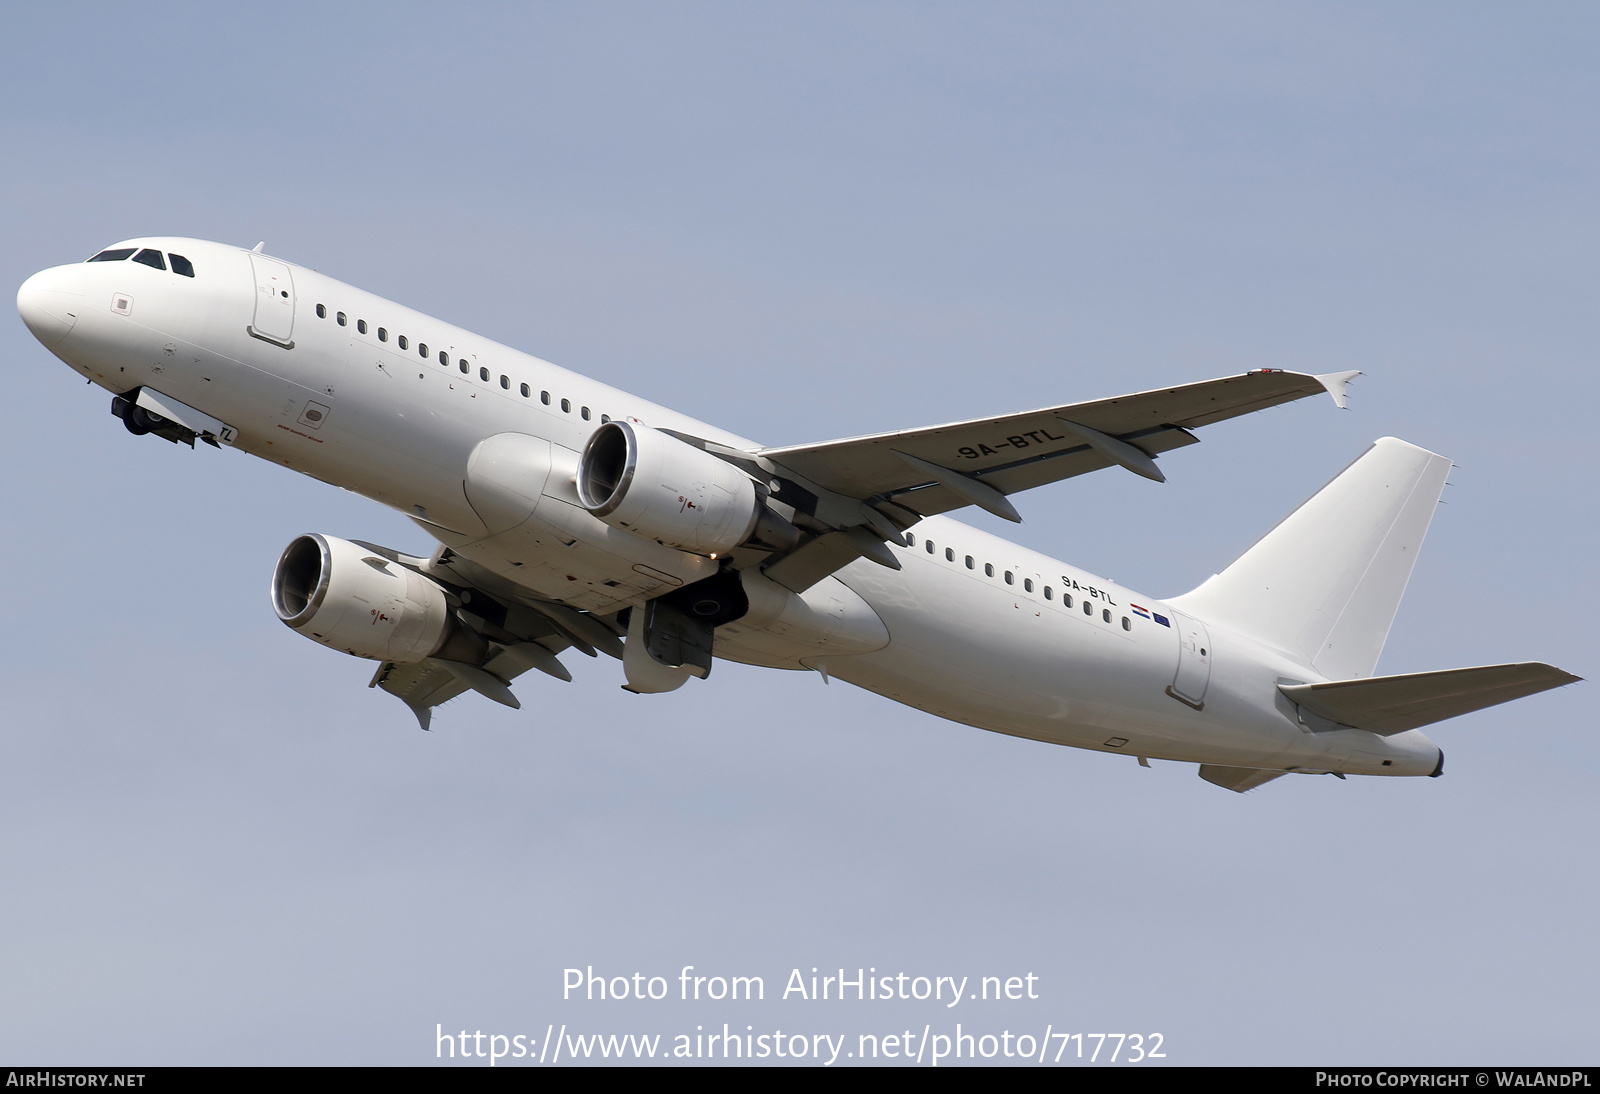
584, 413
181, 265
1105, 614
604, 418
949, 554
1127, 624
422, 350
361, 325
1066, 600
340, 317
544, 397
928, 543
383, 334
505, 382
322, 311
969, 562
566, 406
403, 342
526, 391
152, 259
483, 374
988, 569
444, 359
1048, 593
911, 540
118, 255
1009, 579
1027, 584
1088, 608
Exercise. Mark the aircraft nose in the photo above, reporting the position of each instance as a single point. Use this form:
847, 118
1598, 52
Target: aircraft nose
50, 305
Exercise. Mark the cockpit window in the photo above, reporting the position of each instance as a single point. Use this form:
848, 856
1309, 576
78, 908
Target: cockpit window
151, 258
181, 265
115, 255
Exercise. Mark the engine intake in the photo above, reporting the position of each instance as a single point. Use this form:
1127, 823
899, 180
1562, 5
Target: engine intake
655, 486
344, 596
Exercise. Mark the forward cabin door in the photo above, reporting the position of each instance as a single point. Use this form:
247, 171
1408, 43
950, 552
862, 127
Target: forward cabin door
274, 318
1194, 661
305, 399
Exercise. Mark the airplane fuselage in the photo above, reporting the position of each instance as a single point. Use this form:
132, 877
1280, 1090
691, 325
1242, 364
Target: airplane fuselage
390, 403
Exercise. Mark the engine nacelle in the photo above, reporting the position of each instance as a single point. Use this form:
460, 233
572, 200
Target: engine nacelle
655, 486
346, 597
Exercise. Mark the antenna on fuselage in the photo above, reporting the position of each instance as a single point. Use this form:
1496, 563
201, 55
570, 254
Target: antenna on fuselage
257, 248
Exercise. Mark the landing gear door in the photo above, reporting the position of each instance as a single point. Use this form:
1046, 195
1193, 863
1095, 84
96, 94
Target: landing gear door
274, 317
1194, 661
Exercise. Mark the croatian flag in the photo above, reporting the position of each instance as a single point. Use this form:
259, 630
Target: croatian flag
1157, 616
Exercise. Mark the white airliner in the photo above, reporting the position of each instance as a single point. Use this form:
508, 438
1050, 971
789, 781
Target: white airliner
572, 515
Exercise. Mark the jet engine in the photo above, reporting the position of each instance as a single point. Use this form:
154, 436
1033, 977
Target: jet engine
658, 487
348, 598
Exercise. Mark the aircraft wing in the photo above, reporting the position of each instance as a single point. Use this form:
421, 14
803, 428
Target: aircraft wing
431, 682
943, 467
524, 633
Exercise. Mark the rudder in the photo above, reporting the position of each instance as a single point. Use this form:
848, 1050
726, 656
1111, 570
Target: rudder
1325, 583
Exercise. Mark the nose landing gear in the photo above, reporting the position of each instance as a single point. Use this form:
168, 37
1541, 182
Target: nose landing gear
140, 421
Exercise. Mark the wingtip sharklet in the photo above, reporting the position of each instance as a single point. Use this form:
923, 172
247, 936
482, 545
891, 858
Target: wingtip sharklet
1337, 385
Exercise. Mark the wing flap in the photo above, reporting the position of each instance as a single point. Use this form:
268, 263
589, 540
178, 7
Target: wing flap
815, 560
421, 686
1387, 705
431, 682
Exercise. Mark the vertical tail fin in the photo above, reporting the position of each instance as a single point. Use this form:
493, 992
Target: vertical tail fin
1324, 585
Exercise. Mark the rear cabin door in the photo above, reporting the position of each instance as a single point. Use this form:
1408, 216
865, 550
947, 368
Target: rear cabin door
1194, 661
274, 318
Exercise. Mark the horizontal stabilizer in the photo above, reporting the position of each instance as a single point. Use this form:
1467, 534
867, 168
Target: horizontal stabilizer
1237, 779
1394, 704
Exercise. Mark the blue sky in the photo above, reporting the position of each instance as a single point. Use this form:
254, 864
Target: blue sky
798, 222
